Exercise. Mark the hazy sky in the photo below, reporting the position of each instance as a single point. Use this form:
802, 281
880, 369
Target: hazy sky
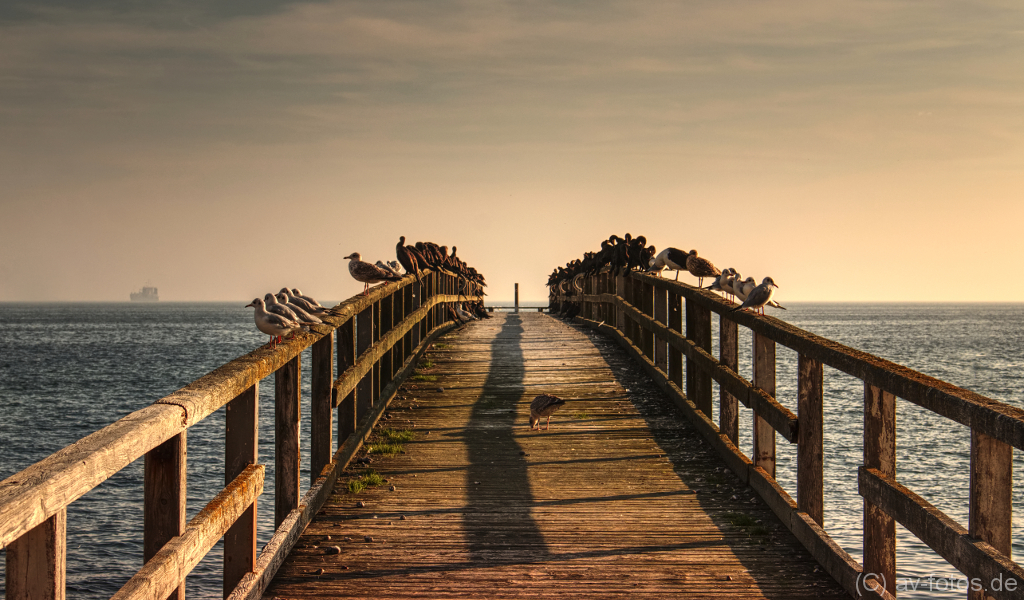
869, 150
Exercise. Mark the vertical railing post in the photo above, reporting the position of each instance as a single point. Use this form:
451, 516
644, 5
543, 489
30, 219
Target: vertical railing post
620, 291
286, 440
764, 378
36, 561
376, 368
321, 428
728, 355
364, 339
347, 416
810, 495
241, 446
675, 323
661, 316
698, 330
517, 298
991, 505
880, 453
647, 305
164, 498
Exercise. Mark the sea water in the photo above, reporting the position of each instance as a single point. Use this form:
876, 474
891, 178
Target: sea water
67, 370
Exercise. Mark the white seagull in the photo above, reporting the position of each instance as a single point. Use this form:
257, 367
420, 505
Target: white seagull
272, 324
303, 315
759, 296
367, 273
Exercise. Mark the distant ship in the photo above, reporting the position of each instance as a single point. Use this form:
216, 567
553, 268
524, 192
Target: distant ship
148, 294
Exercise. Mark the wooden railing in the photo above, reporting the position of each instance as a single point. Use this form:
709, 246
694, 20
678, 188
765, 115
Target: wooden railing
380, 338
645, 314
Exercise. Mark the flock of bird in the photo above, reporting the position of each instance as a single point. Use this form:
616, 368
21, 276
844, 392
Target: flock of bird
284, 314
628, 254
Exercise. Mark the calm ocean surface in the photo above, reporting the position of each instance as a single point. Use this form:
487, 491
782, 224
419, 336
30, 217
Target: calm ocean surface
67, 370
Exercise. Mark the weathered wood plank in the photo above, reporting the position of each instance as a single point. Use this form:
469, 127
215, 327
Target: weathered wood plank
287, 459
276, 551
991, 496
880, 454
241, 433
612, 501
32, 496
37, 561
320, 405
165, 572
164, 493
968, 554
763, 453
811, 450
728, 406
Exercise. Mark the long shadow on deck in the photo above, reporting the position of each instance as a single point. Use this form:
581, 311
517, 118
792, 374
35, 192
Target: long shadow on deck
498, 515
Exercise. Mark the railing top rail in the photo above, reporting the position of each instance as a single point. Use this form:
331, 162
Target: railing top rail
990, 416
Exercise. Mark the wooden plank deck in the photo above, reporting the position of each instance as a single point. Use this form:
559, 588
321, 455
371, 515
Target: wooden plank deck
621, 496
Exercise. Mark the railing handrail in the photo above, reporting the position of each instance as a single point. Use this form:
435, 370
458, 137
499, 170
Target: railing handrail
993, 417
42, 492
644, 314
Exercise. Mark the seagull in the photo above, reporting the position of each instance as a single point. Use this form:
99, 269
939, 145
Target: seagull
759, 296
729, 277
298, 294
544, 405
279, 308
304, 316
367, 273
463, 314
388, 268
273, 324
742, 288
293, 299
672, 258
700, 267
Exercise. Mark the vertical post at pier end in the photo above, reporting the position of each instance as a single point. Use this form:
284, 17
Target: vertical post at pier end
991, 495
880, 453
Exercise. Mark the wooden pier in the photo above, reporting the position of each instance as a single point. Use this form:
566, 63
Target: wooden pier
621, 497
637, 488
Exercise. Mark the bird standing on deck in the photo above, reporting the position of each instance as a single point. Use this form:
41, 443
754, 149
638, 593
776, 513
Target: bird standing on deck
759, 296
367, 273
542, 406
700, 267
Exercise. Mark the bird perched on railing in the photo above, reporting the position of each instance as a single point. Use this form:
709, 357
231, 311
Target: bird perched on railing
303, 315
391, 266
290, 298
670, 258
759, 296
367, 273
406, 258
700, 267
298, 294
542, 406
273, 324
